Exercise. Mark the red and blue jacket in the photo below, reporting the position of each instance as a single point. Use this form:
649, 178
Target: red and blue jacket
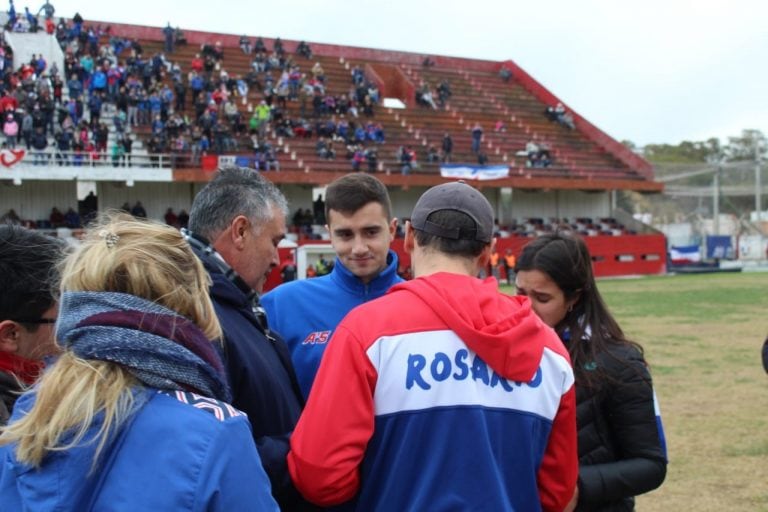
442, 395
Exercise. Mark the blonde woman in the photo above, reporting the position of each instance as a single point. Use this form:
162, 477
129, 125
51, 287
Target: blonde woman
133, 416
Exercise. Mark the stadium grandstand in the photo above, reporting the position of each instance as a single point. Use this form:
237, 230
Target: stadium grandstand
112, 115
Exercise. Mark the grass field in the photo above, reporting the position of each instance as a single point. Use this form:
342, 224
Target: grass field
702, 336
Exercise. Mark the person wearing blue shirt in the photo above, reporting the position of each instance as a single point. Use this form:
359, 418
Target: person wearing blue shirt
361, 227
135, 413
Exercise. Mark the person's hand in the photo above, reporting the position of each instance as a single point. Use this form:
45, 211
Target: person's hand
574, 500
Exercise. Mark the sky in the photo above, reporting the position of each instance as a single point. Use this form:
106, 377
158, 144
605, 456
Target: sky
651, 72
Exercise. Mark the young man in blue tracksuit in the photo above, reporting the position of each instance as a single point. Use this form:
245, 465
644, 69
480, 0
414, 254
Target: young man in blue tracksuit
361, 226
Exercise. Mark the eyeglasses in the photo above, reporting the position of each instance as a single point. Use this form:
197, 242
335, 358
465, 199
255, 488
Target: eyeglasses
36, 321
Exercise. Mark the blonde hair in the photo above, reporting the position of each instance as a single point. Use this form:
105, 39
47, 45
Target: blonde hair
125, 255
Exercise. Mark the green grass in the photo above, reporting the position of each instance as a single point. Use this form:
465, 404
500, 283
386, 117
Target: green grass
702, 336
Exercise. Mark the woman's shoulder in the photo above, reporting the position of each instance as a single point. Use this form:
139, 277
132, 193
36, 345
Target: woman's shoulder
623, 361
195, 407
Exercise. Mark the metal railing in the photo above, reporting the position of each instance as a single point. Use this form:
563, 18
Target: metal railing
107, 159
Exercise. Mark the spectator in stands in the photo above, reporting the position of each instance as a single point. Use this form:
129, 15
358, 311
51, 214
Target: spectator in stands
47, 9
407, 159
372, 158
447, 147
482, 158
509, 261
39, 145
324, 149
11, 131
10, 217
127, 143
118, 153
138, 211
432, 155
288, 269
183, 219
559, 114
477, 137
428, 61
171, 218
304, 50
318, 73
358, 158
532, 152
277, 47
443, 92
259, 46
169, 35
245, 44
505, 73
72, 219
63, 147
31, 20
56, 218
179, 37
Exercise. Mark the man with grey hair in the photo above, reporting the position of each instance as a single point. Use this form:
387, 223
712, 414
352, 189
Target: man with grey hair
235, 225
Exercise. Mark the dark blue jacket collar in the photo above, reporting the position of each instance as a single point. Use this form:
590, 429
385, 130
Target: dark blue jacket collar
343, 278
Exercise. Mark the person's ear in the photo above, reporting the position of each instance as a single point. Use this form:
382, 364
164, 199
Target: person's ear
392, 228
238, 228
571, 303
410, 239
9, 336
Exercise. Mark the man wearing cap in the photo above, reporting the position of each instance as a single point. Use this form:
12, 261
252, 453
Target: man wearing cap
443, 394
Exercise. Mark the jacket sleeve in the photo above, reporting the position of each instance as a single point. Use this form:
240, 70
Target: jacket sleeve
330, 439
631, 418
232, 477
560, 467
765, 355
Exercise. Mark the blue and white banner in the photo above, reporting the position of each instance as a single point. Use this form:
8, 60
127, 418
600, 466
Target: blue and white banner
474, 172
719, 247
684, 254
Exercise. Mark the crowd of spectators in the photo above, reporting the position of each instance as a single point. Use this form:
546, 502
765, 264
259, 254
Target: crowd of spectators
86, 211
116, 89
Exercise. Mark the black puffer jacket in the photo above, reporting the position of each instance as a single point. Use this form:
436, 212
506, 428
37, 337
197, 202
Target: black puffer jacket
621, 447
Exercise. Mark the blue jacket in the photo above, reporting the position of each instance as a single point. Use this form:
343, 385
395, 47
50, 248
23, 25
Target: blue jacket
306, 312
180, 451
262, 380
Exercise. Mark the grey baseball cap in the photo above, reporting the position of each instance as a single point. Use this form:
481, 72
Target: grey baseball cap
460, 197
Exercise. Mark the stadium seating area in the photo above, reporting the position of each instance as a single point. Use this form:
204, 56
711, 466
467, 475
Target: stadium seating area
479, 96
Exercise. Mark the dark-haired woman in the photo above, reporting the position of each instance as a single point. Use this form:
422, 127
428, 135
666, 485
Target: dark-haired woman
622, 451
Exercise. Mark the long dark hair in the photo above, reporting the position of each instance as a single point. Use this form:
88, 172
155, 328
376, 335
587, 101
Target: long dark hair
566, 260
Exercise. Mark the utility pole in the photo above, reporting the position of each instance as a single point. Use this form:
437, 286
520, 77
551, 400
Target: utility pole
758, 184
716, 199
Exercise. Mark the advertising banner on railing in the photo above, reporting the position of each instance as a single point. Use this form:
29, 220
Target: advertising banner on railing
474, 172
10, 157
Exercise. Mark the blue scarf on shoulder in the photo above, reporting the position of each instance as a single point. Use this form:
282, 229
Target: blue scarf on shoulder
159, 347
